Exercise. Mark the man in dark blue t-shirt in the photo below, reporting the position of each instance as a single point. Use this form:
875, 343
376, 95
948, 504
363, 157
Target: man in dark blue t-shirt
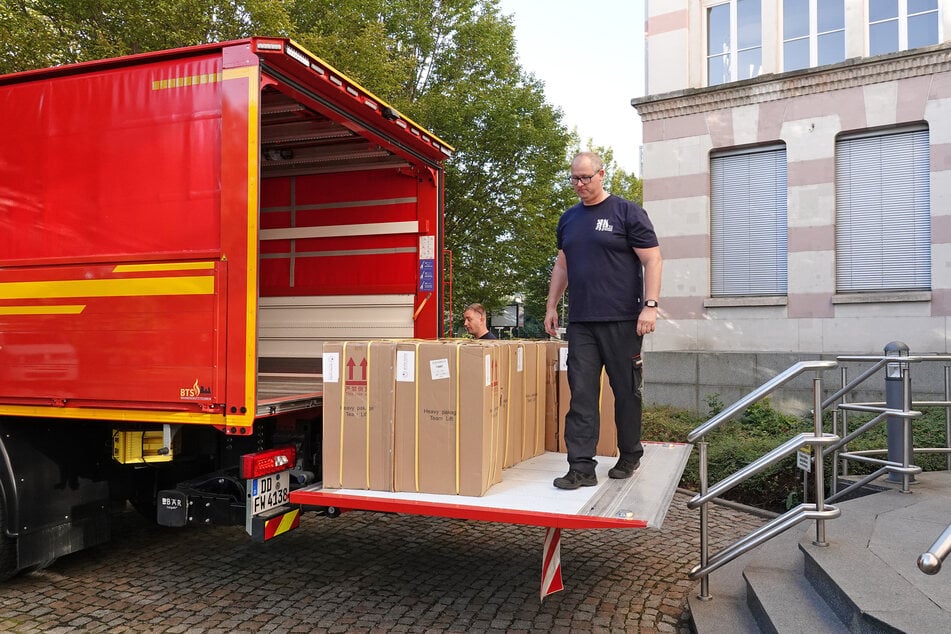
608, 255
474, 320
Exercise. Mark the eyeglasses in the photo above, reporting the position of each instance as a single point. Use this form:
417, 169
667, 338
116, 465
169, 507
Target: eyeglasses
584, 180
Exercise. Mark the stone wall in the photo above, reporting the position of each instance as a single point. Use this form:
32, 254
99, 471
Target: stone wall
688, 379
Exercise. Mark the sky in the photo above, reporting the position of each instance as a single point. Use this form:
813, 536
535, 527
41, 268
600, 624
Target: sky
590, 57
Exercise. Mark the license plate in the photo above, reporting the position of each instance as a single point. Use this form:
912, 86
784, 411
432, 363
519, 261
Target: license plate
268, 491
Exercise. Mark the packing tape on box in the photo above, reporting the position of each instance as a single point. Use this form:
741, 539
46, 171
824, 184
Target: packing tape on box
458, 410
343, 408
366, 423
416, 382
508, 406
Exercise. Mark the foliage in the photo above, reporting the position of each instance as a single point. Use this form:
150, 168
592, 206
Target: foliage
617, 181
449, 64
714, 404
40, 33
761, 429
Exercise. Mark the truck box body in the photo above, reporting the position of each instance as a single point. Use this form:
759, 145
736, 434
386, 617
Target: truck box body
183, 230
180, 234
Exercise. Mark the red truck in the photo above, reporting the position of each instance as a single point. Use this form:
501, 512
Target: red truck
181, 232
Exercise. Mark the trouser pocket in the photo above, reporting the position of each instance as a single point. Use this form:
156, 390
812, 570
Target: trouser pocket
637, 370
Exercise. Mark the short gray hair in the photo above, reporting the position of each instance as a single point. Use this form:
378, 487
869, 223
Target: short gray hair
592, 157
476, 308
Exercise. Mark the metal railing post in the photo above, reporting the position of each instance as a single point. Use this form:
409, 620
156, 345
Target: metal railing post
947, 413
818, 461
908, 447
704, 538
894, 399
844, 374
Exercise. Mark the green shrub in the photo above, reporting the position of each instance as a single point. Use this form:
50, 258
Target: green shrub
760, 429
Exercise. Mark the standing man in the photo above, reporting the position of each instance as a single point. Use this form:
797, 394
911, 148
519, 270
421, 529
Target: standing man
474, 321
609, 255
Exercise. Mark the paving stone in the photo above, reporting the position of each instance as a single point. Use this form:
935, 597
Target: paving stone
370, 572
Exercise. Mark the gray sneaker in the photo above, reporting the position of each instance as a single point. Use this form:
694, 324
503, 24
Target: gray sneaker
574, 479
624, 469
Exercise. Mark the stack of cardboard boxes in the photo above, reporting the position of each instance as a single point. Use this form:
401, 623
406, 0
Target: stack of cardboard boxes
442, 416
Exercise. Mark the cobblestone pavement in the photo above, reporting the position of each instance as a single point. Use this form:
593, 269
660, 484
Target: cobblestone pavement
366, 572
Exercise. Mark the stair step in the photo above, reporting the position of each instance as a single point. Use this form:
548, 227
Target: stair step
781, 600
866, 576
728, 610
868, 595
868, 573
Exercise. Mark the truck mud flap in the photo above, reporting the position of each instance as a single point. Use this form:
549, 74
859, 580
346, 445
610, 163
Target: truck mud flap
275, 522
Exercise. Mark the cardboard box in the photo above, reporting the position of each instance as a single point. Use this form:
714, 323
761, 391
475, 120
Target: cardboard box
359, 409
551, 351
557, 355
533, 392
512, 378
448, 424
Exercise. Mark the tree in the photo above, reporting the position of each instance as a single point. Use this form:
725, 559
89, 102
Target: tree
41, 33
449, 64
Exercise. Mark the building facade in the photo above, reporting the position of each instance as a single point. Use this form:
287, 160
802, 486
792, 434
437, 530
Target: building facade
797, 168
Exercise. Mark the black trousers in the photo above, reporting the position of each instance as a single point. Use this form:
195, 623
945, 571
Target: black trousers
616, 347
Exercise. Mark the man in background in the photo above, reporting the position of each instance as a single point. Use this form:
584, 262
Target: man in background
474, 320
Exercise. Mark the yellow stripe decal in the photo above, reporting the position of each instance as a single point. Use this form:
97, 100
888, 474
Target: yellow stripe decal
165, 266
131, 415
180, 82
287, 522
252, 75
140, 286
66, 309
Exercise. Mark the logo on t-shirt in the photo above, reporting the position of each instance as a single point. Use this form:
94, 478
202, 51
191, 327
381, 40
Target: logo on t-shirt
603, 225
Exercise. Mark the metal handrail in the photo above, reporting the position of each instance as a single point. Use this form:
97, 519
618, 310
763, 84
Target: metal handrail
851, 385
930, 562
788, 448
759, 393
823, 444
764, 533
817, 440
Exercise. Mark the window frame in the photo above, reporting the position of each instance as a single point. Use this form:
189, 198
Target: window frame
902, 21
726, 280
734, 52
915, 260
812, 36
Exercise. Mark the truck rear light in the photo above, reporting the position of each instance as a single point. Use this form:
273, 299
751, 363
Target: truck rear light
255, 465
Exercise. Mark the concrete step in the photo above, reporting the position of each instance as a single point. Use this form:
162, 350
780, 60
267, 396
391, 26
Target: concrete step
865, 580
727, 609
868, 573
782, 601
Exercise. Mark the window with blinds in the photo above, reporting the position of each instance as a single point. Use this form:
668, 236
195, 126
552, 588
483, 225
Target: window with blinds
748, 222
883, 212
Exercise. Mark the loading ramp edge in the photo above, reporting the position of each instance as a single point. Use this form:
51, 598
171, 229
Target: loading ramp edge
526, 495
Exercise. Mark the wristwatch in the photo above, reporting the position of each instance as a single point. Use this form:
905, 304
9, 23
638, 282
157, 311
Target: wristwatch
651, 303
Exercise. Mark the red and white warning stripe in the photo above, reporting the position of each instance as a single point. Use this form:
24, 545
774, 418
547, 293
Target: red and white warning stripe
551, 563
